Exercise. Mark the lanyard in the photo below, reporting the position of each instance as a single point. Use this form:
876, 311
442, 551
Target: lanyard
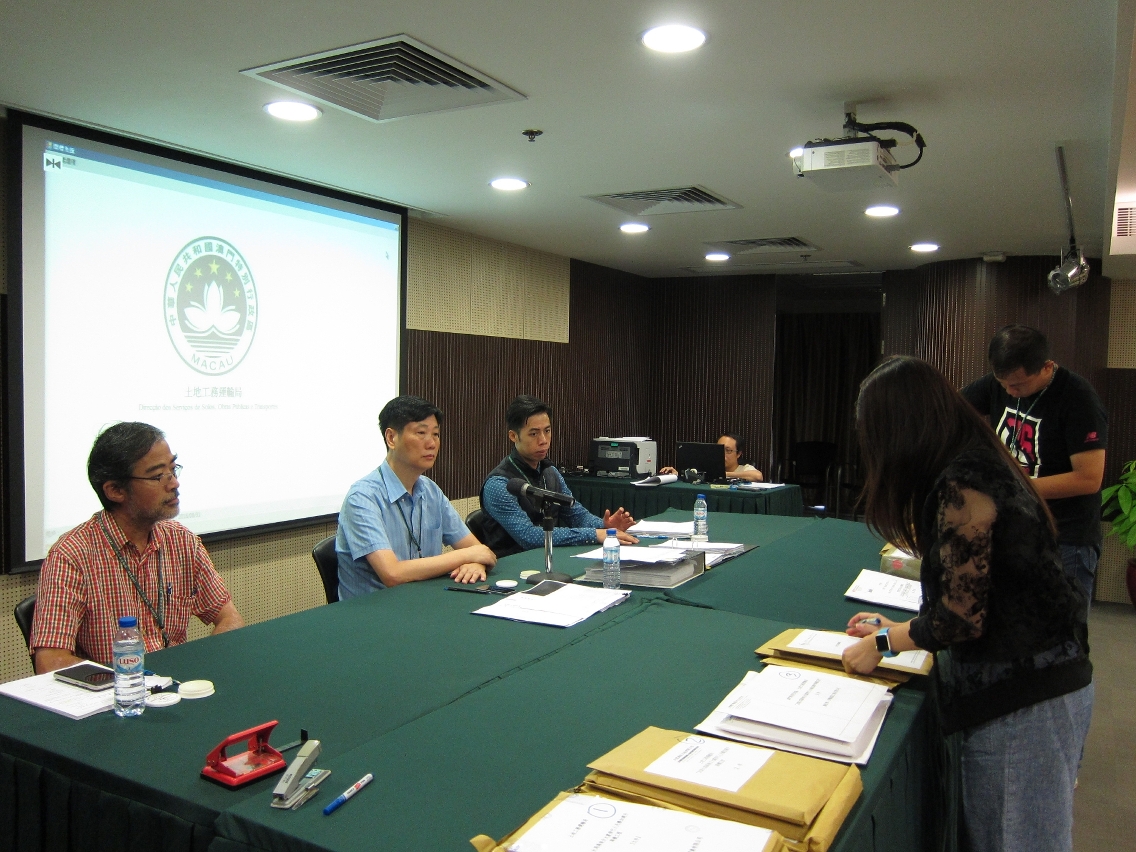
157, 615
528, 479
409, 530
1019, 419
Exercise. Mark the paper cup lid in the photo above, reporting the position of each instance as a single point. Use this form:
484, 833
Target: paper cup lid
196, 689
526, 574
162, 699
506, 584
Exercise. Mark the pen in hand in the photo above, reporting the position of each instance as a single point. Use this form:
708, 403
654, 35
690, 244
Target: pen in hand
874, 621
348, 793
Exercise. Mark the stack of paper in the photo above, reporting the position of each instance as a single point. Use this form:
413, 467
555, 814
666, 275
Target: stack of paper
665, 570
716, 551
824, 648
805, 711
580, 823
801, 798
886, 590
676, 529
757, 486
58, 697
632, 555
558, 604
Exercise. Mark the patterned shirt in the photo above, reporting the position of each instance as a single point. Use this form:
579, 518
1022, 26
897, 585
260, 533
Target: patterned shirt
83, 589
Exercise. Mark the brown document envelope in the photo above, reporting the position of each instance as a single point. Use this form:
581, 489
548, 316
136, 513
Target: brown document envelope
789, 787
889, 668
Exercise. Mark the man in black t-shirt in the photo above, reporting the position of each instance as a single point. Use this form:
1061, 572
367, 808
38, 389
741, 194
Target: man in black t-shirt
1055, 425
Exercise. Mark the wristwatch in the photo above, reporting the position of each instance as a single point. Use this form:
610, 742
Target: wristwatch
883, 643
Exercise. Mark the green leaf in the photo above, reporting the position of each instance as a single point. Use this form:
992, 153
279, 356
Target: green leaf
1124, 495
1132, 538
1106, 495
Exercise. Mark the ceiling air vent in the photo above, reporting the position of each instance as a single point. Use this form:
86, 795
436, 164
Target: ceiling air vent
750, 266
652, 202
390, 78
764, 245
1124, 229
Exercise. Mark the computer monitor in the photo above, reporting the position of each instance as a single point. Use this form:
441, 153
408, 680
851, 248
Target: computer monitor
708, 459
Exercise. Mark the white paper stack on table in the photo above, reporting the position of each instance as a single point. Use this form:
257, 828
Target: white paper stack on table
581, 823
825, 648
716, 551
886, 590
558, 604
758, 486
647, 567
676, 529
804, 711
74, 702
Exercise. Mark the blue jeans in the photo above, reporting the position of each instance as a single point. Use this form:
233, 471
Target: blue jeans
1018, 773
1080, 561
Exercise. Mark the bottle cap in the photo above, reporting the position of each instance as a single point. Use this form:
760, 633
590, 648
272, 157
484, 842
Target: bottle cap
701, 496
611, 532
127, 621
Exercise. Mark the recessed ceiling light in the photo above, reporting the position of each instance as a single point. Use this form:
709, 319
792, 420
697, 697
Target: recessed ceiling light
674, 38
925, 247
634, 227
797, 152
881, 211
717, 256
292, 111
509, 184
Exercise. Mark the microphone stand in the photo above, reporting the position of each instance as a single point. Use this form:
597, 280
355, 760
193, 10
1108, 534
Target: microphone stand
549, 523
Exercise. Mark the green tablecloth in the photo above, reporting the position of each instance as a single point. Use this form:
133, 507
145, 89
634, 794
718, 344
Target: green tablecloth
469, 723
599, 493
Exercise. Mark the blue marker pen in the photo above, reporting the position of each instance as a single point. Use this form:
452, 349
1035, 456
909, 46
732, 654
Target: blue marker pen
874, 621
349, 792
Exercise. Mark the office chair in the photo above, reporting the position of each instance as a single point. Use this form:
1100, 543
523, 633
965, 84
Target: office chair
24, 613
327, 561
475, 520
811, 466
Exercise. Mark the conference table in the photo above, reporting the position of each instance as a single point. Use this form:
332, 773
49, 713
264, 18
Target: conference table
469, 724
597, 493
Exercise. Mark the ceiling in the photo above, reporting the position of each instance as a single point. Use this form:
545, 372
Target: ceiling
993, 88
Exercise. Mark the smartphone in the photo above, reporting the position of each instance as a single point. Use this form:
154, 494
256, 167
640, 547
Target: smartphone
87, 675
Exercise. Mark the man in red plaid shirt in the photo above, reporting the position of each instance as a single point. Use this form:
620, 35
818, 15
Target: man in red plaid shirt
129, 559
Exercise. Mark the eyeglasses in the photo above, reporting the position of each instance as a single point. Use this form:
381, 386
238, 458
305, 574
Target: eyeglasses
162, 478
728, 451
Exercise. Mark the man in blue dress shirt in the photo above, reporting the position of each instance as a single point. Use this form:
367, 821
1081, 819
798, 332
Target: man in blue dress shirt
394, 521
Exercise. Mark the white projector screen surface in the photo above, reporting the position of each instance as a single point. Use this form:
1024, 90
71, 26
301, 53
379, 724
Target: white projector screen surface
256, 325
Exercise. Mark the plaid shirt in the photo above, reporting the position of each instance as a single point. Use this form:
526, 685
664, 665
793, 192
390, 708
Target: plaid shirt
83, 589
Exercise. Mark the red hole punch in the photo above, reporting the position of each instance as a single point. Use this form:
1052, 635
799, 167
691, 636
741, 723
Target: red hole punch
259, 760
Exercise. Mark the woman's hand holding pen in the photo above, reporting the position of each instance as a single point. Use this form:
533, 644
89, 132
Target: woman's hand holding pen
867, 623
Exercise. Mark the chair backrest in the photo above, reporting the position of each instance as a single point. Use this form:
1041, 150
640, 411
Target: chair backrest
475, 521
24, 613
327, 561
812, 458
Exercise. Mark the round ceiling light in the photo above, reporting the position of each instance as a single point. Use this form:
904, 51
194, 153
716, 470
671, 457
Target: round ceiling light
634, 228
881, 211
717, 256
673, 38
925, 247
508, 184
292, 111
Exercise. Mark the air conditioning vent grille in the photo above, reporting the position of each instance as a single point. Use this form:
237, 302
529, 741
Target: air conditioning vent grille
652, 202
764, 245
390, 78
1125, 221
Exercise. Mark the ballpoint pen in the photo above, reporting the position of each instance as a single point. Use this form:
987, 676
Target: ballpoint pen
874, 621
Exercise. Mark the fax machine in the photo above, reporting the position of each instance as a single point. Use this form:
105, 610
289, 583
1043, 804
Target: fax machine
624, 458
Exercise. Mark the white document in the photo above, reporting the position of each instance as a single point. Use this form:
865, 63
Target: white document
826, 642
757, 486
675, 528
713, 763
631, 553
886, 590
562, 607
710, 546
593, 824
661, 479
808, 701
50, 694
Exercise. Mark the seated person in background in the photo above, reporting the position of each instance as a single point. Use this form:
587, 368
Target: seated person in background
394, 521
513, 524
128, 559
734, 448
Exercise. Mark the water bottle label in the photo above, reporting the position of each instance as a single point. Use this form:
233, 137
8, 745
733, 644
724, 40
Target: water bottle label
128, 661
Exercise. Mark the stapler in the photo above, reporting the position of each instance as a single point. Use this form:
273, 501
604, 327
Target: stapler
297, 771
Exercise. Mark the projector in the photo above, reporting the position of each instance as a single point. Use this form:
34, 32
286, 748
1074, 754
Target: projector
838, 165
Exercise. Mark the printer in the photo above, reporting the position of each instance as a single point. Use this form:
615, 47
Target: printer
625, 458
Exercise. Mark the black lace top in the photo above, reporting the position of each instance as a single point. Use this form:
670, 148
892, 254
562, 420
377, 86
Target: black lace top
995, 596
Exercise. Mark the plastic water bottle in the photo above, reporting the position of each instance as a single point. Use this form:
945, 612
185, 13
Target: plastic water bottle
701, 522
129, 669
611, 561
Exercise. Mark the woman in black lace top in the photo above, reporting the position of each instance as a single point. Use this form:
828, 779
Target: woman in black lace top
1015, 674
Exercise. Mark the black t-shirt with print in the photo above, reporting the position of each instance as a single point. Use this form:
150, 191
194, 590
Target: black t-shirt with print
1042, 432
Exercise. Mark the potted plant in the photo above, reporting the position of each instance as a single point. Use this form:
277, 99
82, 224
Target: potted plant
1119, 505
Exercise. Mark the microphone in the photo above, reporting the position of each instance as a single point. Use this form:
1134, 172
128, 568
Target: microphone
518, 487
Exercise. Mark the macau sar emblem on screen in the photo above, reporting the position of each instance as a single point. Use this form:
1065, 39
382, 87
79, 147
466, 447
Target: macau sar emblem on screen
210, 306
